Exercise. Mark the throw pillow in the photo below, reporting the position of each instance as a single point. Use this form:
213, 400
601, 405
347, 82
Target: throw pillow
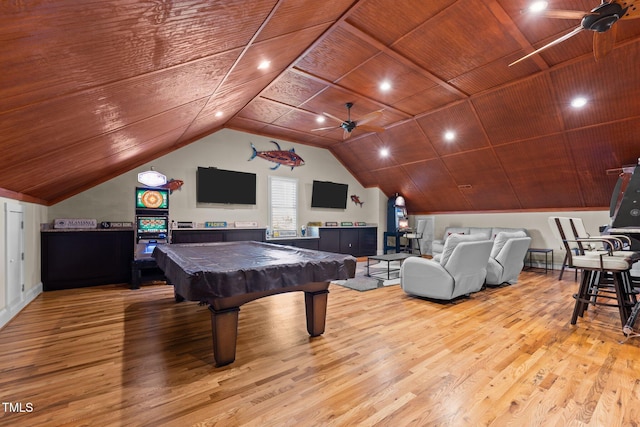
502, 238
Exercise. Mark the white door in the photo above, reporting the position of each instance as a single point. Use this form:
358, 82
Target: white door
14, 254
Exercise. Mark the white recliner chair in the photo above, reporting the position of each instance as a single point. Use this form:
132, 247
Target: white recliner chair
462, 269
507, 257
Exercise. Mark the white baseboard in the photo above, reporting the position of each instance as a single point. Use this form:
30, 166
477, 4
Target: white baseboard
8, 313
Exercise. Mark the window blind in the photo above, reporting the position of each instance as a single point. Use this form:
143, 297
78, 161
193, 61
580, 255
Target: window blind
283, 202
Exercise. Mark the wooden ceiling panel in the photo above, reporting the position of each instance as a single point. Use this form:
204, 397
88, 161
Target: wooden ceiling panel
493, 74
404, 80
100, 89
298, 120
60, 48
482, 180
390, 20
406, 144
279, 53
293, 88
264, 110
430, 99
598, 149
519, 111
439, 190
396, 180
337, 54
614, 96
88, 169
460, 119
457, 40
363, 154
295, 15
538, 28
542, 173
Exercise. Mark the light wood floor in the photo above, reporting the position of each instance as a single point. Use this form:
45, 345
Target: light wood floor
110, 356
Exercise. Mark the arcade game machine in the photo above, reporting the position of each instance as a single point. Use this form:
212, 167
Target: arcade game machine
151, 229
624, 209
397, 223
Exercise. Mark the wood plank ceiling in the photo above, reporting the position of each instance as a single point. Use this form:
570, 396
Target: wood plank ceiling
91, 90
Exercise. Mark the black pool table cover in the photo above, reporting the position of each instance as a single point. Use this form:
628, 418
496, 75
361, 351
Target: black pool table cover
206, 271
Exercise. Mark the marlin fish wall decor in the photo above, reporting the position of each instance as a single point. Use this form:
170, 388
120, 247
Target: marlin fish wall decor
278, 156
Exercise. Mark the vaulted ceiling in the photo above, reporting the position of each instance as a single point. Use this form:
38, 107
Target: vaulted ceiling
89, 90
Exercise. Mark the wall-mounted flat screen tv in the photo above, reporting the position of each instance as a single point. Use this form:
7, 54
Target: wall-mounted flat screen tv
215, 185
326, 194
152, 199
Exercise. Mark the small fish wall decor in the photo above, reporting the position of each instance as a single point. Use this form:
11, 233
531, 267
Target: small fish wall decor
278, 156
173, 185
356, 199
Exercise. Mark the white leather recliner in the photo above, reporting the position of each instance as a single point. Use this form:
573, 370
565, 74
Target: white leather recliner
462, 269
507, 257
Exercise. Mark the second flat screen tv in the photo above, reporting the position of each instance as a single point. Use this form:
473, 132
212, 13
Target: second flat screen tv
215, 185
329, 195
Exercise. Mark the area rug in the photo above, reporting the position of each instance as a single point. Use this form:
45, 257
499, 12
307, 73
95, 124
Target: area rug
362, 282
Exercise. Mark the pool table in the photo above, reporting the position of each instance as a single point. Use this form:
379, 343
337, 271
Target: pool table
230, 274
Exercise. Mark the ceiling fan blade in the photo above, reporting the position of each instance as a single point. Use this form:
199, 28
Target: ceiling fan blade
553, 43
333, 117
370, 128
327, 128
603, 42
561, 14
369, 117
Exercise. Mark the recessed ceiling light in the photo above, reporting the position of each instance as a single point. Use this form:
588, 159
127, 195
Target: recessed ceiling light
538, 6
264, 65
579, 102
385, 86
384, 152
320, 119
449, 135
219, 113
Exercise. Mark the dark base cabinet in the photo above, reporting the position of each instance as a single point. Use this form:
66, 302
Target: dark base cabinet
76, 259
356, 241
190, 235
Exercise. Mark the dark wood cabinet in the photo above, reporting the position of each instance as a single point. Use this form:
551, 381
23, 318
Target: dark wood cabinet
75, 259
189, 235
357, 241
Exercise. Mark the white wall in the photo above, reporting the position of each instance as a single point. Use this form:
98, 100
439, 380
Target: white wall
34, 215
535, 222
231, 150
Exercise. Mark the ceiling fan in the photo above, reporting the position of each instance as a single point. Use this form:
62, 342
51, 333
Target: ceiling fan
600, 20
349, 125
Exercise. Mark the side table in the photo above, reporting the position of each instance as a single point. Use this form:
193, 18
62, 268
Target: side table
546, 253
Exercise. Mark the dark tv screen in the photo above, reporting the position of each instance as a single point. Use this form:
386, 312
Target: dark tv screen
215, 185
329, 195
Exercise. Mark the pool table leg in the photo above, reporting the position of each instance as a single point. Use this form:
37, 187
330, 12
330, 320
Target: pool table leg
316, 308
224, 326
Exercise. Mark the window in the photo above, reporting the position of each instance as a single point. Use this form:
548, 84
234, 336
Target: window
283, 203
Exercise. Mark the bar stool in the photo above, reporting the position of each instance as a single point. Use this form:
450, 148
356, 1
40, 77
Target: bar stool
605, 281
